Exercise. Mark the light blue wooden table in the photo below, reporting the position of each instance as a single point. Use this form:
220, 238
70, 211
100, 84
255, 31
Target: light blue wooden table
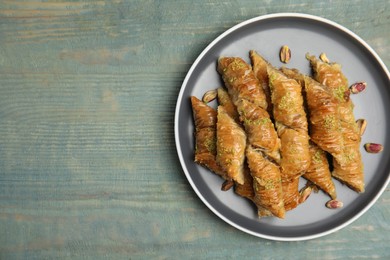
88, 165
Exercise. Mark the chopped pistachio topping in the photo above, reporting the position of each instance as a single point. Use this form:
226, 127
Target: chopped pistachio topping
350, 157
258, 122
271, 79
232, 79
294, 149
223, 150
266, 183
330, 122
228, 161
237, 65
286, 101
339, 93
316, 158
210, 145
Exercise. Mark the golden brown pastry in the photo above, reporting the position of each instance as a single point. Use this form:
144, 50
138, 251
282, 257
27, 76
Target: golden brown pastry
321, 106
205, 119
294, 74
267, 184
259, 66
348, 168
351, 172
288, 101
324, 126
330, 75
295, 155
319, 173
246, 189
263, 143
291, 195
258, 126
231, 145
225, 101
291, 124
241, 81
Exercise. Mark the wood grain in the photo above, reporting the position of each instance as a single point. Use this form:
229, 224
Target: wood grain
88, 164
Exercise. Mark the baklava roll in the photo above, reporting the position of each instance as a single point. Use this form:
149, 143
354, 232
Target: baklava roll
319, 173
348, 168
241, 81
258, 126
245, 189
267, 184
324, 125
205, 119
231, 145
291, 195
225, 101
291, 124
259, 67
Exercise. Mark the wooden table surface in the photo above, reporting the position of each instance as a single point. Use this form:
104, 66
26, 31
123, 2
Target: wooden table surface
88, 164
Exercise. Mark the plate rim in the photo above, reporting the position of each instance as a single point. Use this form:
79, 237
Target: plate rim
180, 99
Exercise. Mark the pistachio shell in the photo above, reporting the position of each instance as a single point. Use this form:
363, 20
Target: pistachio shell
305, 193
209, 96
285, 54
358, 87
334, 204
373, 148
226, 185
362, 125
324, 58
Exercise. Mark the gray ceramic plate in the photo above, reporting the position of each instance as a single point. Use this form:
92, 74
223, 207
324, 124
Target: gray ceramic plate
302, 33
